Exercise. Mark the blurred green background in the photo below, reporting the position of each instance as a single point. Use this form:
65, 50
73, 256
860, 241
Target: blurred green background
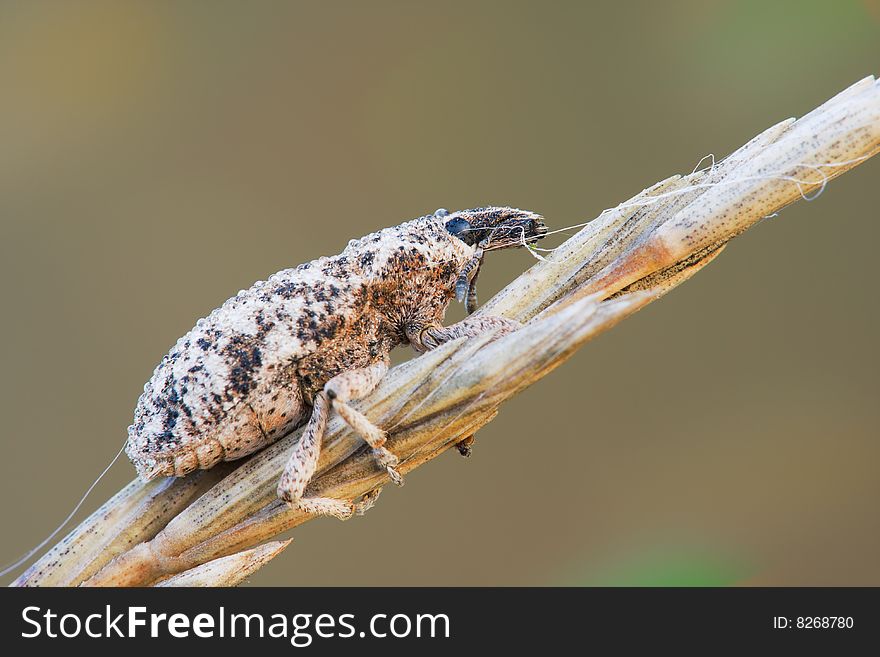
156, 157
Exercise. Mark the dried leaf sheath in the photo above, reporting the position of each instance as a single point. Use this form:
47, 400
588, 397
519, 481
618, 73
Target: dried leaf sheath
614, 266
228, 571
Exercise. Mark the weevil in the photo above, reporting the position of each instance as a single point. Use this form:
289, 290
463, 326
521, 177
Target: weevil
315, 338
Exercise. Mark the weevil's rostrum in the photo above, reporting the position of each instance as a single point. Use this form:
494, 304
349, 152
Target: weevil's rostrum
313, 338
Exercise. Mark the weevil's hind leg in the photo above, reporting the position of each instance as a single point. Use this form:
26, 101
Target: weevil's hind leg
301, 467
352, 385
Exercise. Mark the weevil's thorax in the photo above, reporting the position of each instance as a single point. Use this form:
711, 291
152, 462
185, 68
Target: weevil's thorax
410, 270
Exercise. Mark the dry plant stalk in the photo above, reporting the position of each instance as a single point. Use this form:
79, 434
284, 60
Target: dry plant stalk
202, 529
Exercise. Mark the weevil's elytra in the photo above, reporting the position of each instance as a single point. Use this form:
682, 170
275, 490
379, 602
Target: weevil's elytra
313, 338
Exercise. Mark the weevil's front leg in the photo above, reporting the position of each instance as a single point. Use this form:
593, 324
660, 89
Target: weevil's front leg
471, 301
432, 336
466, 285
302, 463
353, 385
429, 337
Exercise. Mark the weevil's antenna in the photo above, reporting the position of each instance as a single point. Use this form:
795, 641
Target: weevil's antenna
10, 567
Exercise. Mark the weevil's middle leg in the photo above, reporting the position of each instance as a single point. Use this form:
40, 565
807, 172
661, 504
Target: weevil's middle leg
353, 385
432, 336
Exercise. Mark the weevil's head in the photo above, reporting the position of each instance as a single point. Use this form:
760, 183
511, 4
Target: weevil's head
494, 228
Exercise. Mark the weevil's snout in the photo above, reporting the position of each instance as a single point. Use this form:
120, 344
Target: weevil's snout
496, 227
513, 228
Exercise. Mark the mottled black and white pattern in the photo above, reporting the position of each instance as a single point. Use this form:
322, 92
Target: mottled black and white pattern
248, 372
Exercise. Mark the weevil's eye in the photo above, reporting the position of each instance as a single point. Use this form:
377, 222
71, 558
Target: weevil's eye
461, 229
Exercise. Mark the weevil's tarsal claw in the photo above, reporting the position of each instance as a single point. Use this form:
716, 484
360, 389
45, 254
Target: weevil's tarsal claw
462, 287
367, 501
395, 476
471, 304
389, 461
465, 446
320, 506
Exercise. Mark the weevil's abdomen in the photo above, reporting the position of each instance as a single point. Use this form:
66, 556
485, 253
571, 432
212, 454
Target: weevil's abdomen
270, 414
230, 386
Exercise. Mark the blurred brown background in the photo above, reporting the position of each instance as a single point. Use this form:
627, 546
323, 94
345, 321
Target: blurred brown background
156, 157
